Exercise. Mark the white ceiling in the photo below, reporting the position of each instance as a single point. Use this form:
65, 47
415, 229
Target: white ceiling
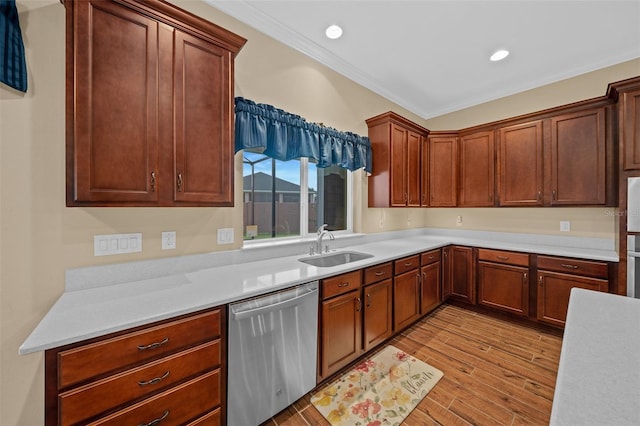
431, 56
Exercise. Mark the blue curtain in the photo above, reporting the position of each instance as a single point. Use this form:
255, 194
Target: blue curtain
285, 136
13, 68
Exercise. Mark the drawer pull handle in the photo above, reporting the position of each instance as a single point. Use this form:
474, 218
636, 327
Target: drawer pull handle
379, 273
503, 257
156, 421
345, 284
407, 264
153, 345
154, 380
568, 266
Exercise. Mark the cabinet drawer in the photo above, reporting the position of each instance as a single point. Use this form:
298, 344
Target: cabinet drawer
406, 264
95, 398
95, 359
574, 266
378, 273
340, 284
508, 257
177, 405
430, 257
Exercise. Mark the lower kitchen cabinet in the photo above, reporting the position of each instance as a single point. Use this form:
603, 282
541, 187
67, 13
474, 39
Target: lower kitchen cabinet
503, 281
557, 276
378, 313
406, 291
170, 371
340, 323
458, 280
430, 280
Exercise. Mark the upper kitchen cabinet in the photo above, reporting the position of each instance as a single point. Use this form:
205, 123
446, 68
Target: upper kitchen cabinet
578, 158
443, 169
629, 123
396, 145
520, 164
477, 169
149, 106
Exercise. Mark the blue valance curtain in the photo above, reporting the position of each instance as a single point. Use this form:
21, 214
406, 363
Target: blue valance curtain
13, 68
285, 136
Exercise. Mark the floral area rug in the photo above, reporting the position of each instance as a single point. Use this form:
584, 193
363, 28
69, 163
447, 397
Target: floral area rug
382, 390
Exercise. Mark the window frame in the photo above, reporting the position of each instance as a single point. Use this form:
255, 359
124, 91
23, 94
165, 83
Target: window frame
304, 210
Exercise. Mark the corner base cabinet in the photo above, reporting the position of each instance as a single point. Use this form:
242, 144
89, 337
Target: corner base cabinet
149, 105
172, 371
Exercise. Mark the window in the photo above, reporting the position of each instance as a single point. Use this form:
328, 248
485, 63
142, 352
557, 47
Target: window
293, 198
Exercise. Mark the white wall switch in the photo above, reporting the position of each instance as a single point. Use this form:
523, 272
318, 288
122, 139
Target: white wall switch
565, 226
225, 236
169, 240
459, 221
106, 245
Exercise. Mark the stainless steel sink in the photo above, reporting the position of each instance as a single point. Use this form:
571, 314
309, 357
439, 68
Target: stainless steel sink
335, 259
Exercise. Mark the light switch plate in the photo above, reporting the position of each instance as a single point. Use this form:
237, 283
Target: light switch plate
106, 245
225, 236
169, 240
565, 226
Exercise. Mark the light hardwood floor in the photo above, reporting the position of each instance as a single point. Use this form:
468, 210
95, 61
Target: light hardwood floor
496, 371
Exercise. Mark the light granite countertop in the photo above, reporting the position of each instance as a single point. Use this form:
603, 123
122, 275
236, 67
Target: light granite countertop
598, 380
104, 299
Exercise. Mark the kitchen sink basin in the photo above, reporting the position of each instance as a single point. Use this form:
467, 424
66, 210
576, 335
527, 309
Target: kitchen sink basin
335, 259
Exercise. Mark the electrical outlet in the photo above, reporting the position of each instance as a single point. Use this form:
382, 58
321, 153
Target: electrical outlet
565, 226
459, 221
169, 240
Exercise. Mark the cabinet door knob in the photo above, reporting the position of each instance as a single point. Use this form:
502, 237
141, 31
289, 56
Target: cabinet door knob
153, 181
358, 304
179, 182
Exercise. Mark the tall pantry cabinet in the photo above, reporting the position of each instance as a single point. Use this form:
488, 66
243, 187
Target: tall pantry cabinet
149, 105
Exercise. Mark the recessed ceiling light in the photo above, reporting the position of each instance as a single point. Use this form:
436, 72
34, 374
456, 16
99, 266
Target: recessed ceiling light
333, 32
499, 55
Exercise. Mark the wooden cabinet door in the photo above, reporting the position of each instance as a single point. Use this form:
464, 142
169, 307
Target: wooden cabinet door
202, 116
520, 165
443, 171
447, 265
462, 274
424, 172
430, 287
398, 176
578, 154
406, 299
504, 287
414, 144
477, 170
341, 331
553, 293
112, 101
378, 313
630, 128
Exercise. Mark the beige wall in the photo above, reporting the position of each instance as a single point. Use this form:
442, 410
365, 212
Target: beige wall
41, 238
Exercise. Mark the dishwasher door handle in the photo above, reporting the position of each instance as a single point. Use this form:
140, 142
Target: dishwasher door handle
273, 307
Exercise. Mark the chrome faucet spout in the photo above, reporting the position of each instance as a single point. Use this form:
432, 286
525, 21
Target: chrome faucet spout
321, 233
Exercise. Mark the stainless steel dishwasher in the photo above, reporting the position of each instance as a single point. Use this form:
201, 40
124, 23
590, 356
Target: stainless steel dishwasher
272, 353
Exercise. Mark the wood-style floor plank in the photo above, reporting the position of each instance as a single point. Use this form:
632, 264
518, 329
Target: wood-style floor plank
496, 371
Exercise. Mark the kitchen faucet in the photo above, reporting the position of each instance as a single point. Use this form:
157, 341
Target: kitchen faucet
320, 235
